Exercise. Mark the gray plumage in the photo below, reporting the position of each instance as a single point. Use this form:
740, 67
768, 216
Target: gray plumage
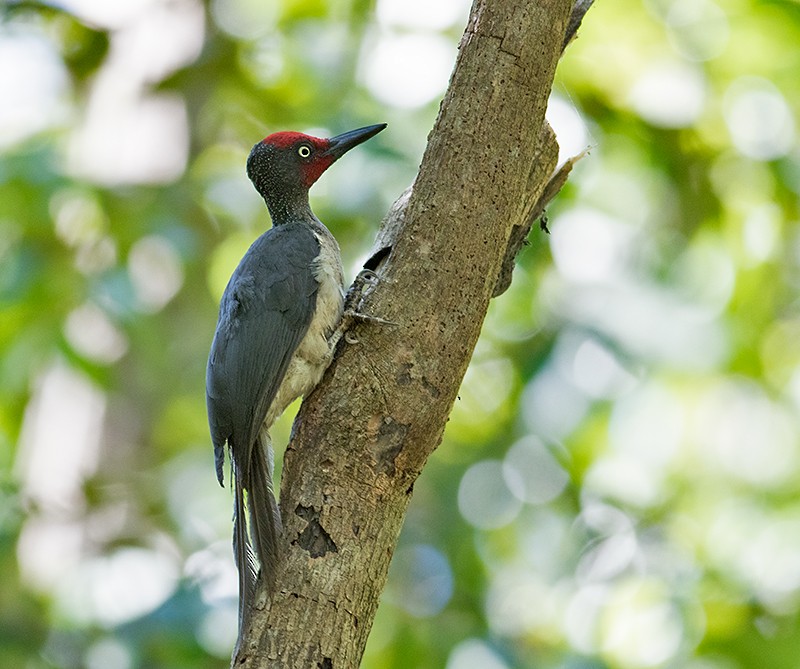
264, 314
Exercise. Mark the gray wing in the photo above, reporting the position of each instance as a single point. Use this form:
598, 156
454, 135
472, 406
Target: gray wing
264, 313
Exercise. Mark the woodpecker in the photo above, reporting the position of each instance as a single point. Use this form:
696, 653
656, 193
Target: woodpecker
275, 337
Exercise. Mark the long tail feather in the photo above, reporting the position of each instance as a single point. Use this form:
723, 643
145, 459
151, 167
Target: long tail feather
245, 560
265, 517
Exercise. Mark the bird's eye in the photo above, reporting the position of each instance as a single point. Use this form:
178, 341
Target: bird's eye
304, 151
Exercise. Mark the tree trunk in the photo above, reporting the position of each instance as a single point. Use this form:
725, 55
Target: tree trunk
364, 435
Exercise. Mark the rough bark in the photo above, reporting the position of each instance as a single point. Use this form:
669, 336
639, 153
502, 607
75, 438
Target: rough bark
362, 438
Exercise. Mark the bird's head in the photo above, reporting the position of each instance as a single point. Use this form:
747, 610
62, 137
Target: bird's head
284, 165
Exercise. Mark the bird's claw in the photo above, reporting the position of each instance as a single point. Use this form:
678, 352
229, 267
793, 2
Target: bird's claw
366, 318
349, 317
366, 279
369, 275
351, 313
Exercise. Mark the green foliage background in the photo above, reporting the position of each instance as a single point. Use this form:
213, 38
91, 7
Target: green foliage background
617, 487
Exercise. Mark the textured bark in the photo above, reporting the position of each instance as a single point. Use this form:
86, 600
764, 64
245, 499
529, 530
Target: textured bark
364, 435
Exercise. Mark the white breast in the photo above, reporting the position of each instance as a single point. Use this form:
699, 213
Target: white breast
314, 353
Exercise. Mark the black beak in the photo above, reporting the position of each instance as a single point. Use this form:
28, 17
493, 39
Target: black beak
341, 144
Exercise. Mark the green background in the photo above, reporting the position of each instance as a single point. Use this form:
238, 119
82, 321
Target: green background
618, 484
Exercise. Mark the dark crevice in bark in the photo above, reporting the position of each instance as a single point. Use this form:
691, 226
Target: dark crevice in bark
314, 539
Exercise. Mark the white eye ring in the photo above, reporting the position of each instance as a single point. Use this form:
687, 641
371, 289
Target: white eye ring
304, 151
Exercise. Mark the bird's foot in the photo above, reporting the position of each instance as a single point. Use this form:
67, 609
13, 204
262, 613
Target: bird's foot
353, 317
366, 280
363, 284
349, 317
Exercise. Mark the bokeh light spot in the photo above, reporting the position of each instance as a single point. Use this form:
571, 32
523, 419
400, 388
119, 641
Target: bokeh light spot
519, 602
156, 272
245, 19
759, 119
532, 473
408, 71
640, 626
568, 125
669, 94
484, 498
422, 581
421, 13
218, 629
91, 333
551, 406
588, 245
33, 85
474, 654
698, 29
109, 653
114, 589
745, 434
